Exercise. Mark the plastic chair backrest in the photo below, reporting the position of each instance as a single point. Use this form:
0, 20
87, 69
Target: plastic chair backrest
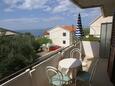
75, 53
84, 76
52, 72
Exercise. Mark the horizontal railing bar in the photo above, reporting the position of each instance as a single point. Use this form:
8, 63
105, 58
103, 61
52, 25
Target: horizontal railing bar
39, 60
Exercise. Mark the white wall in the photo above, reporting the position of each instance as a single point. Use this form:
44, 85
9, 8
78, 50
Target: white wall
56, 35
91, 48
9, 33
95, 27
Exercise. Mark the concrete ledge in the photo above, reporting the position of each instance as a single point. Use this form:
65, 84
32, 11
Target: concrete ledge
91, 48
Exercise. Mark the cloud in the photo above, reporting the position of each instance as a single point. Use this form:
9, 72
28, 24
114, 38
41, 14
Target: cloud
92, 12
19, 23
20, 20
33, 4
66, 8
90, 15
59, 8
8, 10
52, 19
25, 4
28, 23
47, 8
63, 5
12, 3
55, 6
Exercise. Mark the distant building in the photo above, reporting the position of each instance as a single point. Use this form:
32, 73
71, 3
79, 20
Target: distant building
46, 34
95, 26
61, 35
7, 32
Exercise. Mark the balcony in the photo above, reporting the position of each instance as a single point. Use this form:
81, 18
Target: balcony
35, 75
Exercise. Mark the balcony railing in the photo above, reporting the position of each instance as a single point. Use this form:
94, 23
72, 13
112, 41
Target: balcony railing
35, 74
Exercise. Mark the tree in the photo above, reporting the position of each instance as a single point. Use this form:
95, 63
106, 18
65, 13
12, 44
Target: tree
16, 52
43, 40
86, 31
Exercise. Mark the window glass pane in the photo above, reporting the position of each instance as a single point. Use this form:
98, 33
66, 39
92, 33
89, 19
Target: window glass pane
64, 34
64, 42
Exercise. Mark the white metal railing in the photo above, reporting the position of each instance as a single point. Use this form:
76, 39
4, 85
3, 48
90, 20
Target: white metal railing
36, 76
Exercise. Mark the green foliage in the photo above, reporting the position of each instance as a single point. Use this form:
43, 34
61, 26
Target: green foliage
86, 31
43, 40
91, 38
16, 52
88, 37
36, 45
2, 31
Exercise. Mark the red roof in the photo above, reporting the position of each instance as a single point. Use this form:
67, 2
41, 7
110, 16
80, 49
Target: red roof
46, 33
69, 28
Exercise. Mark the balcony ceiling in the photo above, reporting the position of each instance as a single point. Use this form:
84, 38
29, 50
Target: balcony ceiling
107, 6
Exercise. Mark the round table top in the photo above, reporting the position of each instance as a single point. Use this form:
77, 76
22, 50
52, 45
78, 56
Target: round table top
69, 63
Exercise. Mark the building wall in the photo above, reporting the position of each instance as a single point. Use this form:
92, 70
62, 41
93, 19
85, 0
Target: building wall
72, 38
90, 48
56, 35
46, 36
95, 27
8, 33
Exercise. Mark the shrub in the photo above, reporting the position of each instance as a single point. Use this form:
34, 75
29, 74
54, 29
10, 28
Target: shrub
43, 40
16, 52
91, 38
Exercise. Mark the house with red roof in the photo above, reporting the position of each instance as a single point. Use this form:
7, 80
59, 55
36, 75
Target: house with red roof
61, 35
46, 34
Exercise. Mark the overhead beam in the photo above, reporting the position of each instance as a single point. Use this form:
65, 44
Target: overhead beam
107, 6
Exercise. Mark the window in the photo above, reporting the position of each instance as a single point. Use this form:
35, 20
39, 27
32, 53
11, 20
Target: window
64, 34
64, 42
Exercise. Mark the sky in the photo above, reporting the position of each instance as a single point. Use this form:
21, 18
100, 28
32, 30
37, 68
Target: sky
42, 14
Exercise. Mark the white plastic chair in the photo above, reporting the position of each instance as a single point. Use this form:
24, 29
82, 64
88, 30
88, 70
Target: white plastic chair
56, 78
83, 78
77, 52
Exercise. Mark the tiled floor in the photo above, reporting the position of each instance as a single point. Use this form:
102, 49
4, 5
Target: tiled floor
91, 62
99, 76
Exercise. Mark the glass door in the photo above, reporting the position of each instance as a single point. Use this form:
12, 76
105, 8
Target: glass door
105, 39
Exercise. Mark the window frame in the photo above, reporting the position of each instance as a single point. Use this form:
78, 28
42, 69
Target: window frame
64, 34
64, 41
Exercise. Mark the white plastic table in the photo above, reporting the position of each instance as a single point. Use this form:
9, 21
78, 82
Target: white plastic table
70, 66
69, 63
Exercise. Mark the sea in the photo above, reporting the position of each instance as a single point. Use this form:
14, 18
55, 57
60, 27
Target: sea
35, 32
